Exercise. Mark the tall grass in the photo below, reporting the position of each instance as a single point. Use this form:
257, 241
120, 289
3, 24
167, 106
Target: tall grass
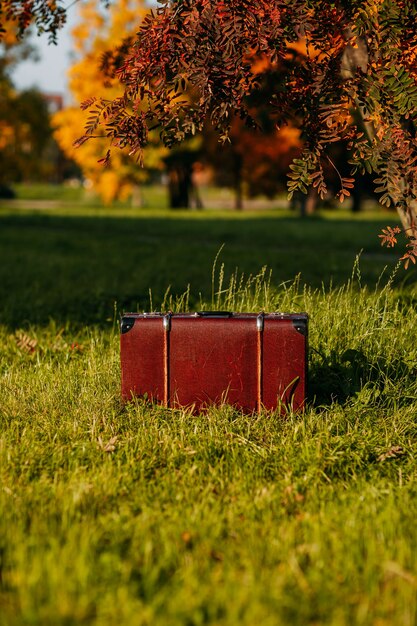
138, 515
72, 264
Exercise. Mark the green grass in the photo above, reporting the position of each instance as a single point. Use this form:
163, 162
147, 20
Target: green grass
38, 194
73, 264
136, 515
47, 193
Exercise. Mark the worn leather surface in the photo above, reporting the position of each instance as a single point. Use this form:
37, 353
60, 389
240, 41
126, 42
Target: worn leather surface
213, 360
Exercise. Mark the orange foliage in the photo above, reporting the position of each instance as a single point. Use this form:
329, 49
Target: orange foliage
96, 32
266, 157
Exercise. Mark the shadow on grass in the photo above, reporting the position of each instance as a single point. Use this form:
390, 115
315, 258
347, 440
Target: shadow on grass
78, 269
341, 377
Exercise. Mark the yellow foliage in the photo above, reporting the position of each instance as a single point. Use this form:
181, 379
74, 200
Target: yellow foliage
7, 134
9, 36
100, 30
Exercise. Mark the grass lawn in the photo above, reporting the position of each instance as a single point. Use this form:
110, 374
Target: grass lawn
136, 515
74, 264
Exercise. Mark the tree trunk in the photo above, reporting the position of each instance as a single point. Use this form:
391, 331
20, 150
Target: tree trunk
238, 164
136, 198
306, 204
351, 60
357, 195
409, 218
179, 185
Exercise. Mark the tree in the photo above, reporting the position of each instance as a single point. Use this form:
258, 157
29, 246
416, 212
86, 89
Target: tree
257, 161
47, 16
252, 162
26, 136
360, 65
96, 32
25, 131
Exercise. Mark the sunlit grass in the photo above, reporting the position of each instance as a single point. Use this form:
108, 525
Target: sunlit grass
138, 515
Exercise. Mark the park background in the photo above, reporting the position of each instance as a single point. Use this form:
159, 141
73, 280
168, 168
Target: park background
134, 514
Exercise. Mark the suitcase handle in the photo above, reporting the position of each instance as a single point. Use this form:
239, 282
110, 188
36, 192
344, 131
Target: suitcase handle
214, 314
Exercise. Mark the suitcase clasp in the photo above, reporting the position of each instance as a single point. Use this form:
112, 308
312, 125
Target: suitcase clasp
260, 320
167, 322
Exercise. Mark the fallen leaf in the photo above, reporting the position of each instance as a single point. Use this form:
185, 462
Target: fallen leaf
392, 453
187, 538
109, 446
25, 343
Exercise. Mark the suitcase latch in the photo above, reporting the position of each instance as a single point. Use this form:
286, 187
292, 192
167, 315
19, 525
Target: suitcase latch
260, 320
167, 322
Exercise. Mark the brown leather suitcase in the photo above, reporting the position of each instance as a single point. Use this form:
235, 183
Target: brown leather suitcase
251, 361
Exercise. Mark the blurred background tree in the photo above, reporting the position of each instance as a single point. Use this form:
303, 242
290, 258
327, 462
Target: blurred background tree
267, 62
46, 16
27, 150
361, 62
97, 31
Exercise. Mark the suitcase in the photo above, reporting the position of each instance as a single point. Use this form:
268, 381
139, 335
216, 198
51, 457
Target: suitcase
250, 361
